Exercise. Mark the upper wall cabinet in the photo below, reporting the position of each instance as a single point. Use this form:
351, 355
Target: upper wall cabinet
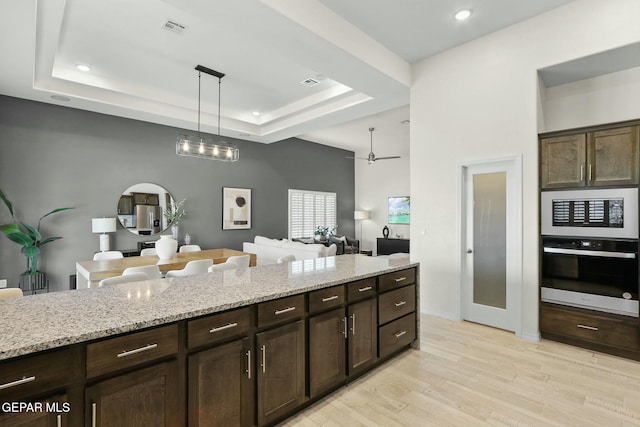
590, 159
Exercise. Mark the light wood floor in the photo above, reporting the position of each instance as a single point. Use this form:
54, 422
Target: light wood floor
468, 375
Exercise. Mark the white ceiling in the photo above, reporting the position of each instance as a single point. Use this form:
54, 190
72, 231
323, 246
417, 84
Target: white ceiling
359, 51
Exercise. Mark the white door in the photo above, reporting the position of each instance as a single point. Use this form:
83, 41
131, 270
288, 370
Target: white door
491, 249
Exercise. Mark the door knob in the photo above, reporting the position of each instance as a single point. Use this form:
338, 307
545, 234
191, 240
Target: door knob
469, 251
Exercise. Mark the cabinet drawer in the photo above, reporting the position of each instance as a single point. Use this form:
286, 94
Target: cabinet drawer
397, 334
362, 289
590, 327
272, 312
323, 299
129, 350
218, 327
34, 374
396, 279
394, 304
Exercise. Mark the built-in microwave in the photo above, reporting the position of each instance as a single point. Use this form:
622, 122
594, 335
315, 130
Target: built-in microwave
606, 213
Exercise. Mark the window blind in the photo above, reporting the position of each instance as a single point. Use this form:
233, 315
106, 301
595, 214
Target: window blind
309, 210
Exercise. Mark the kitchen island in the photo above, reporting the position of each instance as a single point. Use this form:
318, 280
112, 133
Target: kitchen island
250, 345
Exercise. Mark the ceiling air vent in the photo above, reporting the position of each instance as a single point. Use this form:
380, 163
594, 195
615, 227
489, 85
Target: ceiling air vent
174, 26
309, 82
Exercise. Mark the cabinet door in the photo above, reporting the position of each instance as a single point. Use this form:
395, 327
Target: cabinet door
146, 397
51, 414
221, 391
125, 205
613, 157
281, 371
363, 336
327, 335
562, 161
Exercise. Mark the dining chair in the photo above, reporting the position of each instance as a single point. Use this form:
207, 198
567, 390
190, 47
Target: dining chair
286, 258
133, 277
242, 261
107, 255
223, 266
10, 293
148, 252
193, 267
152, 271
189, 248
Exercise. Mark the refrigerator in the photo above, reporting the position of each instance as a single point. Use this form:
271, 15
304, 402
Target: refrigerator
148, 219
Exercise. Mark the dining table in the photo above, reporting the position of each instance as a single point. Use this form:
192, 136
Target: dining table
89, 273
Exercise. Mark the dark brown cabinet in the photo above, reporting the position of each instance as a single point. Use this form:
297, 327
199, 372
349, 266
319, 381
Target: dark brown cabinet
598, 158
144, 397
327, 336
363, 335
391, 246
281, 371
221, 386
125, 205
146, 199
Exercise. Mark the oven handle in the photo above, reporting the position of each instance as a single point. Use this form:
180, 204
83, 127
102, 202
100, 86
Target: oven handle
606, 254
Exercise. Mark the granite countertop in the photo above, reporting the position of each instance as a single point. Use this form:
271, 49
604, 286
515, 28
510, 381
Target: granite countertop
46, 321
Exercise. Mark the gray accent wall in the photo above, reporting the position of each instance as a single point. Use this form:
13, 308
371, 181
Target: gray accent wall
53, 156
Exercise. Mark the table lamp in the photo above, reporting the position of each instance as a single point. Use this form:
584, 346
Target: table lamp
104, 226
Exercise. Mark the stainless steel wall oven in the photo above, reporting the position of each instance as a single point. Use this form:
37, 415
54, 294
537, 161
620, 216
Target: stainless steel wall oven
590, 249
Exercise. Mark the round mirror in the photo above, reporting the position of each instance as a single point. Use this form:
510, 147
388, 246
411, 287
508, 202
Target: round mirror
141, 209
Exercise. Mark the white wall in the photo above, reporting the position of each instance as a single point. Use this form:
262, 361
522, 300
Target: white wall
604, 99
373, 186
480, 101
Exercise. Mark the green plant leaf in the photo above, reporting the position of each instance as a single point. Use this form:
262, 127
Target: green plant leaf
49, 239
54, 211
33, 233
13, 233
6, 202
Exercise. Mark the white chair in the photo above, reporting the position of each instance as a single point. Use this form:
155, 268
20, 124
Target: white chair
152, 271
222, 266
193, 267
286, 258
241, 261
133, 277
189, 248
148, 252
107, 255
10, 293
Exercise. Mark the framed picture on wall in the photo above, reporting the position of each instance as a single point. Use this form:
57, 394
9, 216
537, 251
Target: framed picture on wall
399, 210
236, 208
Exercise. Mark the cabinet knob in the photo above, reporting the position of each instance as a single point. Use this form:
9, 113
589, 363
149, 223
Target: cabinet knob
469, 251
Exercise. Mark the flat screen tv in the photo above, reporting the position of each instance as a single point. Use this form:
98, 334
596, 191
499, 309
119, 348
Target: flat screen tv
399, 210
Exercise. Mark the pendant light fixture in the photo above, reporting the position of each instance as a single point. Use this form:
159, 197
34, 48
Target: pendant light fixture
192, 146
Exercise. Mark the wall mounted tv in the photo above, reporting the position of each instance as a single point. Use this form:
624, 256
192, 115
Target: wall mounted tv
399, 210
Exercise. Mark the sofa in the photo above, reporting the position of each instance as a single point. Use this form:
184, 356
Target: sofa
269, 250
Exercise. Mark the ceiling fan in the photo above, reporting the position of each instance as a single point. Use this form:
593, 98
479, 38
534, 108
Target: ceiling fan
372, 157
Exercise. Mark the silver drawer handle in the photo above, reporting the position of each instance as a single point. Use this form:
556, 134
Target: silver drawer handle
24, 380
591, 328
263, 349
399, 334
222, 328
137, 350
248, 371
366, 288
284, 310
94, 414
59, 421
400, 279
330, 298
400, 304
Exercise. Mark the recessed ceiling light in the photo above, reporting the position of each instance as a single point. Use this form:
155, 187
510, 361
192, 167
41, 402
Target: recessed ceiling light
256, 113
83, 67
60, 98
463, 14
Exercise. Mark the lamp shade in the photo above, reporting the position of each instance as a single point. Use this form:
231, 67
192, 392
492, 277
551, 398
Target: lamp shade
361, 214
103, 225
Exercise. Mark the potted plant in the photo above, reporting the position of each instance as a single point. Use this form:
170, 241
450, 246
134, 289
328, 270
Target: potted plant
324, 232
174, 214
31, 240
